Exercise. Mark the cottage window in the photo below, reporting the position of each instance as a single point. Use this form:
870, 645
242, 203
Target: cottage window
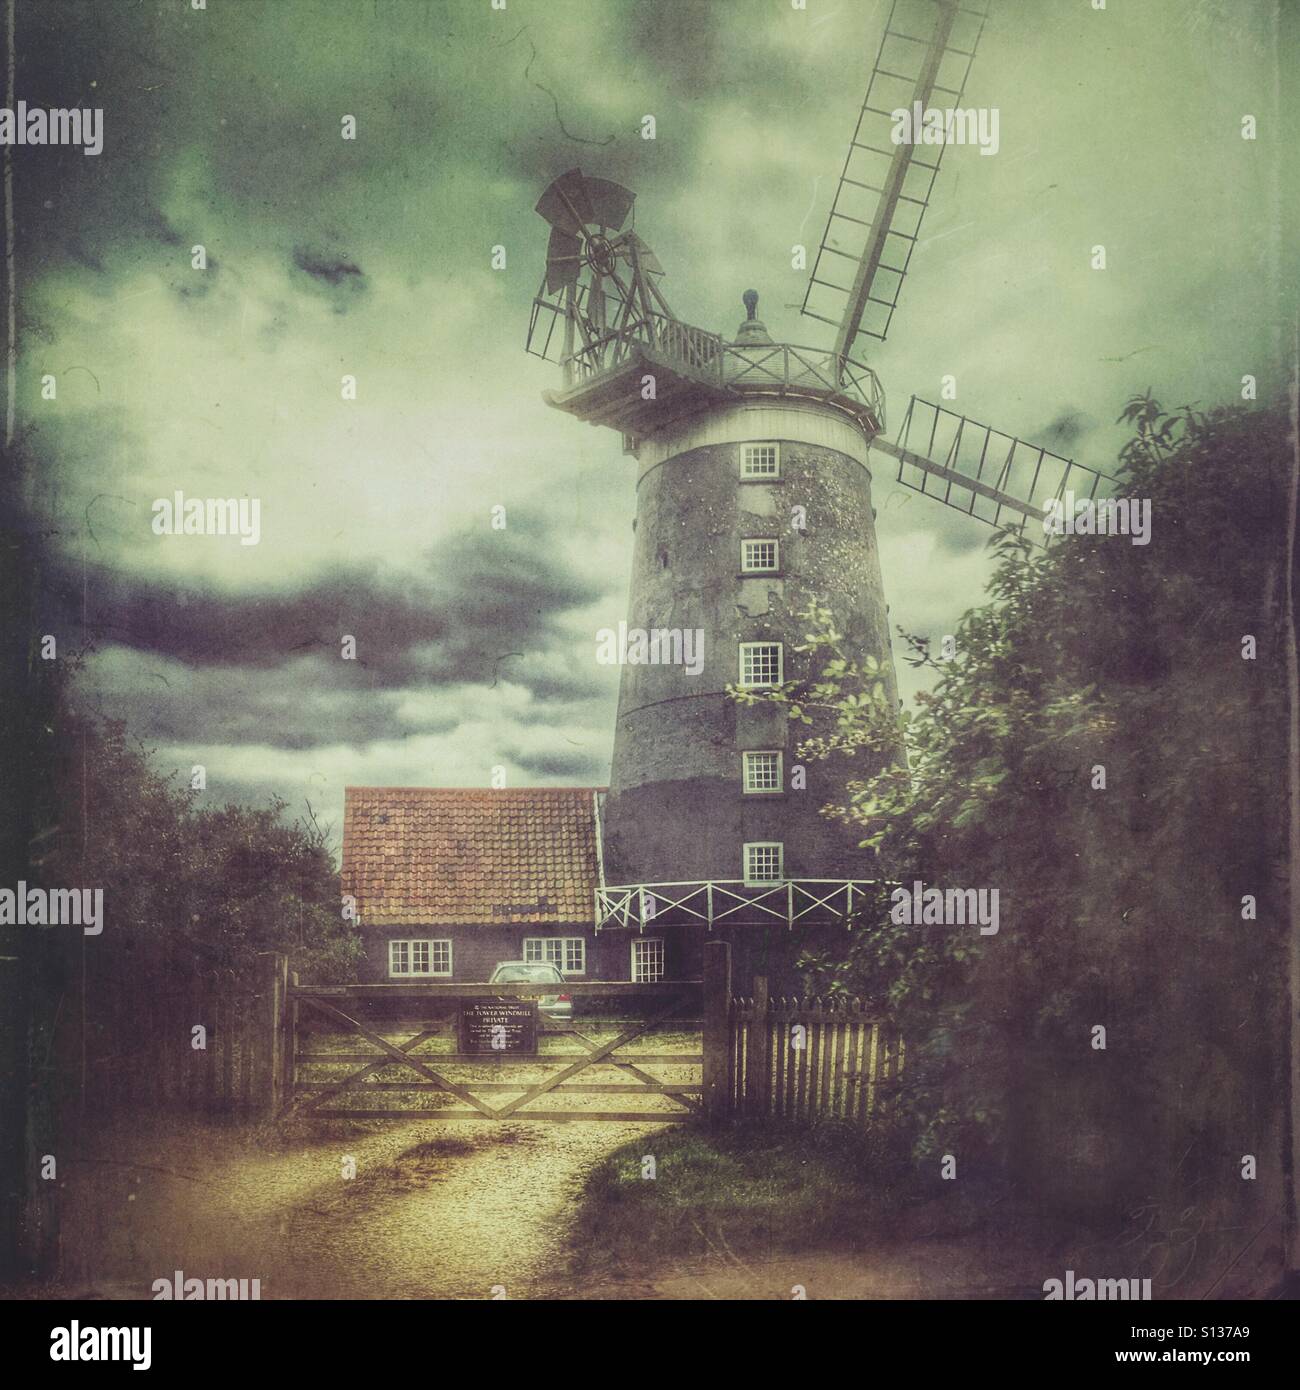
761, 664
762, 772
764, 862
760, 462
647, 959
568, 952
422, 957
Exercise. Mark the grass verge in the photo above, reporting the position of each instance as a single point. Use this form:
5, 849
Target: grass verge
741, 1188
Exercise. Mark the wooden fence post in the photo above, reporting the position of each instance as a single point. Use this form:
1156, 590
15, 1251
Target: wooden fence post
717, 1029
289, 1036
275, 977
758, 1065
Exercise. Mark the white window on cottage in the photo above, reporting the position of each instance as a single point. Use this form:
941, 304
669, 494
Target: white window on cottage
418, 959
647, 959
761, 663
568, 952
760, 557
760, 461
764, 862
762, 771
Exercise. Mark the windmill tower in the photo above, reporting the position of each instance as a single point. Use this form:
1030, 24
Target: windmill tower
753, 463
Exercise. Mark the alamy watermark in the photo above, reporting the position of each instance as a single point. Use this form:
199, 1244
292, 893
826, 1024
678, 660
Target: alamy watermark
919, 906
39, 125
930, 125
77, 1343
52, 907
656, 646
1076, 1289
1098, 516
193, 1290
179, 515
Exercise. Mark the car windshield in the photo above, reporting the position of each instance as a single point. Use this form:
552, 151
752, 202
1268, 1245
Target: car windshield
526, 974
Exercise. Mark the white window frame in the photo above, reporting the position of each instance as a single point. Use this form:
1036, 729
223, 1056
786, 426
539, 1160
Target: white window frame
747, 452
564, 945
747, 565
430, 942
746, 763
780, 665
639, 942
750, 880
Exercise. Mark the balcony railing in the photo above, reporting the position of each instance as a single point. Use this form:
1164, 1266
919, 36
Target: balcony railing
782, 368
709, 902
695, 349
788, 369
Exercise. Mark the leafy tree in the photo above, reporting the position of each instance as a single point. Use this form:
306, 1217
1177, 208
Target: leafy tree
215, 885
1120, 906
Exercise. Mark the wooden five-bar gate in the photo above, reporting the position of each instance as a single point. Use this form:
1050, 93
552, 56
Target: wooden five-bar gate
563, 1065
795, 1060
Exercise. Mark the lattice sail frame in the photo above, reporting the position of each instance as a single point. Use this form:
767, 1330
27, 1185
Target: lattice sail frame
999, 478
874, 222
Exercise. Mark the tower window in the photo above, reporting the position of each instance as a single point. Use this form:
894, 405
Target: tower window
760, 557
762, 772
760, 461
764, 862
761, 664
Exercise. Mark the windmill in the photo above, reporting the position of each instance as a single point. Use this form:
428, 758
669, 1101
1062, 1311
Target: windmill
754, 502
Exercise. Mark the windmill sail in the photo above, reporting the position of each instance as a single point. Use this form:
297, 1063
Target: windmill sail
875, 219
973, 468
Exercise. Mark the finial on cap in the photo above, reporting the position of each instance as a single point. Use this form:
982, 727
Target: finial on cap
750, 299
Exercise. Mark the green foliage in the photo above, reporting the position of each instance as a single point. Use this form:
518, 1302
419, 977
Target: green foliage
746, 1188
1119, 906
218, 884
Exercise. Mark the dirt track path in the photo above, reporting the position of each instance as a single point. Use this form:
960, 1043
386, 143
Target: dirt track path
436, 1210
442, 1209
449, 1220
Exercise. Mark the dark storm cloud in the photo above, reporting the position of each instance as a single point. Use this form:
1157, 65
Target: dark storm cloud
561, 684
71, 54
223, 128
243, 706
332, 271
477, 597
180, 86
582, 766
162, 229
1065, 433
340, 280
682, 44
558, 123
706, 53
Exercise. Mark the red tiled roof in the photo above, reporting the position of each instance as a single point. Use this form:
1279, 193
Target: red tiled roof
446, 856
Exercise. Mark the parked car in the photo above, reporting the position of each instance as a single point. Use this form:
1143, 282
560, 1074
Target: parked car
557, 1007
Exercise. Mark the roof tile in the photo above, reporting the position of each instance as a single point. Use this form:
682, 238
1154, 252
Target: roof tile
451, 856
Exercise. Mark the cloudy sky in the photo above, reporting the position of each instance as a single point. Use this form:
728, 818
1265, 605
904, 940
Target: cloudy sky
372, 258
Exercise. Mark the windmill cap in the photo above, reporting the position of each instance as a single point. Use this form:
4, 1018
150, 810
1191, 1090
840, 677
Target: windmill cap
752, 330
